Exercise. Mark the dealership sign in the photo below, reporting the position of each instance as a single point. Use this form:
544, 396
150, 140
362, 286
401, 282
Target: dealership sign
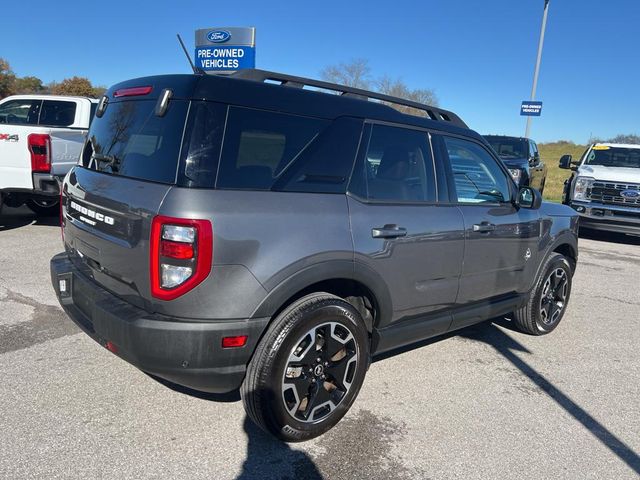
225, 49
531, 108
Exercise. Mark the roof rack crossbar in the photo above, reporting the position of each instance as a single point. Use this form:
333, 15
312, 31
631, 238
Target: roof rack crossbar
433, 113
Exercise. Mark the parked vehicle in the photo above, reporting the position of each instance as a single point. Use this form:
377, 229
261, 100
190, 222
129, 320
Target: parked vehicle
604, 187
244, 232
522, 157
41, 137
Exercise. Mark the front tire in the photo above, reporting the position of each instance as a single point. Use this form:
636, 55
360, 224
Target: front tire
308, 368
44, 208
547, 302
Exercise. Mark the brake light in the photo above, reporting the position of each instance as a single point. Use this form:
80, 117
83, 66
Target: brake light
181, 255
40, 150
133, 91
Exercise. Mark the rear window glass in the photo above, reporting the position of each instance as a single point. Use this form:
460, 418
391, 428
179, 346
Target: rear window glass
20, 112
509, 147
131, 141
261, 145
57, 113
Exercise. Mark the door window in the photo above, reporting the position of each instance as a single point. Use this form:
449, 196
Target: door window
478, 177
397, 166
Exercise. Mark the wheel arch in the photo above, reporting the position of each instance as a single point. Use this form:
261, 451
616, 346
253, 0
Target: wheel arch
363, 288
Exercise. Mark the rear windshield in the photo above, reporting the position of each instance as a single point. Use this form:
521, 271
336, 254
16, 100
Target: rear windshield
614, 157
508, 147
130, 140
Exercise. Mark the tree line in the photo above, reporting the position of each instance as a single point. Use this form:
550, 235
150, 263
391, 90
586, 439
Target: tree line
11, 84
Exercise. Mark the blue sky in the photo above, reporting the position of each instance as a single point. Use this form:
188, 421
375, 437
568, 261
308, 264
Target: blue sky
478, 55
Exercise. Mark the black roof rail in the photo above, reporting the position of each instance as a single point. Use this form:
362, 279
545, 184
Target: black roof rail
434, 113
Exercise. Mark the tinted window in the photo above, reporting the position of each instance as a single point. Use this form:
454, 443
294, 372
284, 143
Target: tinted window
56, 113
397, 166
92, 113
325, 165
20, 112
260, 145
131, 141
508, 147
204, 133
478, 177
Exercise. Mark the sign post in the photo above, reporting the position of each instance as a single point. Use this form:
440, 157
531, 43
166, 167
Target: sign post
225, 49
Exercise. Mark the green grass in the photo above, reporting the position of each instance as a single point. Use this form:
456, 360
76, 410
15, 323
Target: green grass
550, 154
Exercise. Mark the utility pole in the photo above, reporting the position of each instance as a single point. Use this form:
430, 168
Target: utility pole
537, 69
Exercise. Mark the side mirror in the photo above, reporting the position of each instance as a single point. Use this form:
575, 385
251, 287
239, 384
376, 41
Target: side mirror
529, 197
565, 162
534, 161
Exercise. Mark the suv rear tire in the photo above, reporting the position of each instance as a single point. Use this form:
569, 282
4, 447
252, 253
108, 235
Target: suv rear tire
308, 368
548, 300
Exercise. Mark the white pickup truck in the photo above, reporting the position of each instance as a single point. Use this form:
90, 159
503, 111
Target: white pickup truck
605, 187
41, 138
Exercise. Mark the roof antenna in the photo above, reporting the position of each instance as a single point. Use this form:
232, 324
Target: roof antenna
184, 49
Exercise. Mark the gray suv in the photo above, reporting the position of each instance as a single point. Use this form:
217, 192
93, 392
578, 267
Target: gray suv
257, 232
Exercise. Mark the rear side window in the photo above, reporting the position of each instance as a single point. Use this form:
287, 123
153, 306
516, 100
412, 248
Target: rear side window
57, 113
398, 167
260, 145
129, 140
20, 112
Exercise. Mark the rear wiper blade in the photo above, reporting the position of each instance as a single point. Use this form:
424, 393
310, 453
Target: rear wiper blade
106, 160
110, 159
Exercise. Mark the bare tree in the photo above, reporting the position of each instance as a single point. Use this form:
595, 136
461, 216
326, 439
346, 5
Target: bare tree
630, 138
397, 88
355, 73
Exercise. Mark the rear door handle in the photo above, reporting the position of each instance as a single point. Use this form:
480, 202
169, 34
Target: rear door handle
388, 231
484, 227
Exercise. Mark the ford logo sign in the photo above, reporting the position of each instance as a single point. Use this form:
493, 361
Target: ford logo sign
630, 193
218, 36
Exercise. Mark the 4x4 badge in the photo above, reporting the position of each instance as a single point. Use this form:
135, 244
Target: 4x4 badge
527, 254
9, 138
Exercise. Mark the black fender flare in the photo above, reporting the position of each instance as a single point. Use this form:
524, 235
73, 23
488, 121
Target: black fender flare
566, 237
326, 271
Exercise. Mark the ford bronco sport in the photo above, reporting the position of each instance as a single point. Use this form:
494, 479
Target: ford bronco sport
250, 232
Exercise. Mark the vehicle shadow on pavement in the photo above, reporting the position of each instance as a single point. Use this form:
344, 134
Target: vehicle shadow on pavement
19, 219
507, 346
610, 237
267, 457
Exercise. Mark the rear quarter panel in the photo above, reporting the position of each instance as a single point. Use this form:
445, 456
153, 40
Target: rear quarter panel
261, 241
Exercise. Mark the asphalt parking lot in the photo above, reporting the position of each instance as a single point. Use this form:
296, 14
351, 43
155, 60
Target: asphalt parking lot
487, 402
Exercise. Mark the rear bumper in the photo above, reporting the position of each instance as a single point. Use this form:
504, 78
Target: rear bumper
188, 353
610, 218
46, 184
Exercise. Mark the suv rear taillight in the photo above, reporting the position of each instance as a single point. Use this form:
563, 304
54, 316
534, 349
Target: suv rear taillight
40, 150
181, 255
